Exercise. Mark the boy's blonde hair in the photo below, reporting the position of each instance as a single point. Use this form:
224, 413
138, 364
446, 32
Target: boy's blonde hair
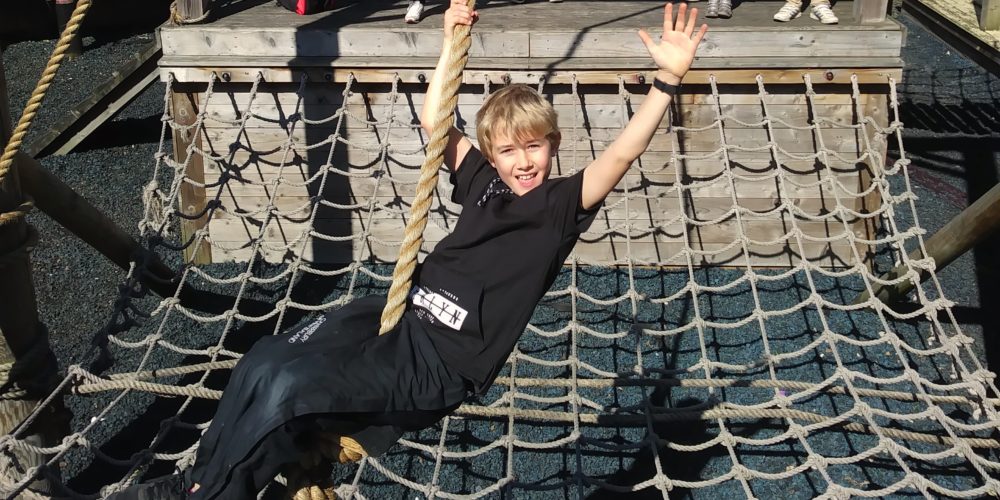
517, 111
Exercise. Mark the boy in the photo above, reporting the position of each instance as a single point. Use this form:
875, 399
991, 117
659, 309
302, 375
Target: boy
466, 312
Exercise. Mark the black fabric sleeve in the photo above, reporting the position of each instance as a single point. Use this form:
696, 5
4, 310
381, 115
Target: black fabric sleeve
565, 203
469, 175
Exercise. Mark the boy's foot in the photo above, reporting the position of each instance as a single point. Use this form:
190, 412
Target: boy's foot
823, 13
414, 12
788, 12
162, 488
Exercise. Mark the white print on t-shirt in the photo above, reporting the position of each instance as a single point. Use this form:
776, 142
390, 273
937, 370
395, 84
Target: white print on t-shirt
304, 334
440, 307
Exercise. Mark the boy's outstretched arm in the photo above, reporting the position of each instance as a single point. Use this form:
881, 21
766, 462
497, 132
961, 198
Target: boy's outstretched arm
458, 145
673, 55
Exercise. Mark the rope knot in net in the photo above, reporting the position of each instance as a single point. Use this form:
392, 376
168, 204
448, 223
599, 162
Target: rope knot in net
982, 375
817, 462
726, 438
741, 472
662, 482
835, 491
798, 430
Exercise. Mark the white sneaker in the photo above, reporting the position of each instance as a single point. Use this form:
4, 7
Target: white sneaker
822, 13
788, 12
414, 12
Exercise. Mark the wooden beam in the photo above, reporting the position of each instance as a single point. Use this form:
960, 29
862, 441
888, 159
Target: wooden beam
870, 11
102, 105
24, 342
6, 124
192, 198
18, 308
64, 12
877, 76
989, 17
975, 223
5, 131
76, 214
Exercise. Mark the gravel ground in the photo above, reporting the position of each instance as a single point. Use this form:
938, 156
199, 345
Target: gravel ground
949, 105
110, 170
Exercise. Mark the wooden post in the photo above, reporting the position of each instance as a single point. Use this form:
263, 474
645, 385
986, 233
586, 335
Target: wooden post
962, 233
870, 11
18, 310
192, 198
76, 214
187, 10
989, 18
5, 131
64, 11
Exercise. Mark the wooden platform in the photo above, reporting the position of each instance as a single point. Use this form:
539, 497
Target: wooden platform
590, 42
538, 36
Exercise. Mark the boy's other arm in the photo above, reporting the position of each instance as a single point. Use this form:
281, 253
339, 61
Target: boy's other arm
673, 56
458, 145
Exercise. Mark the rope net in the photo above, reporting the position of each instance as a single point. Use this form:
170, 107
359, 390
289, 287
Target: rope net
647, 368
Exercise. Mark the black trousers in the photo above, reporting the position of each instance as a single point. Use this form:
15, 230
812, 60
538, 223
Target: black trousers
335, 375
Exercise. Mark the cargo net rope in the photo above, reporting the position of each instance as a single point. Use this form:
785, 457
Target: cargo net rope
654, 371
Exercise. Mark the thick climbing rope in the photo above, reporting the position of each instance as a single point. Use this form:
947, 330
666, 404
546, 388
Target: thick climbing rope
346, 448
413, 237
35, 102
136, 381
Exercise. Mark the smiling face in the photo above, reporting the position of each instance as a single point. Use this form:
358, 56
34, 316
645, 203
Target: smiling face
522, 163
518, 133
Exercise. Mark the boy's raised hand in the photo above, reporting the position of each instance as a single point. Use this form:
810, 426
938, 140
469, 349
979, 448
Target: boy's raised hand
675, 50
458, 13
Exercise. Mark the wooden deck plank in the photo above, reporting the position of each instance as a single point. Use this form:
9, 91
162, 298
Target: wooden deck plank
989, 15
107, 100
507, 63
579, 15
272, 36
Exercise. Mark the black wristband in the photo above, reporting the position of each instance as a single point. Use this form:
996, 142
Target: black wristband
664, 87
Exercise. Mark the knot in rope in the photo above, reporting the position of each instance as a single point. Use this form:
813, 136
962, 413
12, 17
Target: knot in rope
817, 461
663, 483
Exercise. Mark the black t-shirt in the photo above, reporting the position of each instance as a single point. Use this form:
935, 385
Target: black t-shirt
480, 285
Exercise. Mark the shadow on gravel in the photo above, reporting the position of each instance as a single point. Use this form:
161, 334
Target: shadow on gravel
953, 120
120, 133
